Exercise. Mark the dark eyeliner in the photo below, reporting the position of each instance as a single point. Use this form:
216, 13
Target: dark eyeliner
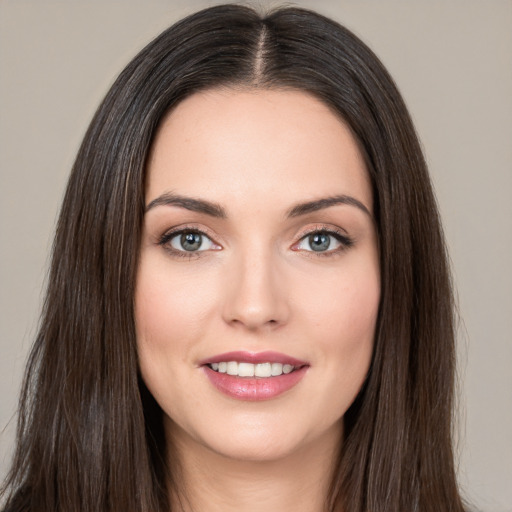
345, 241
164, 240
167, 236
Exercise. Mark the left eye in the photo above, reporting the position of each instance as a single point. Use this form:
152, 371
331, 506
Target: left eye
191, 241
320, 241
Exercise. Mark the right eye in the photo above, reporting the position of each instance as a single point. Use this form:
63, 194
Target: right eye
190, 241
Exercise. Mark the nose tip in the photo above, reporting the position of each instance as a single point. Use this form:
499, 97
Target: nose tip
253, 316
256, 297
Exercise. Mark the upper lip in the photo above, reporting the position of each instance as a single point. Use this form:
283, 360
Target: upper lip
254, 358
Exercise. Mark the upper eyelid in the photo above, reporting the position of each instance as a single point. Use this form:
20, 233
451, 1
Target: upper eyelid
187, 228
340, 235
323, 228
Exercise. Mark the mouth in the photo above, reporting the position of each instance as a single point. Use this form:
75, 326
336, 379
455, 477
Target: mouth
252, 377
259, 370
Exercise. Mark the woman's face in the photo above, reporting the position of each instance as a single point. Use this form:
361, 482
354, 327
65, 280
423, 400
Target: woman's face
258, 285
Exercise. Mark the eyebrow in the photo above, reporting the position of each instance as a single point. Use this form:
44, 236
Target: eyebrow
216, 210
189, 203
320, 204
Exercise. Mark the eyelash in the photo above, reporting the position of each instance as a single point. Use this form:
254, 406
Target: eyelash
345, 241
169, 235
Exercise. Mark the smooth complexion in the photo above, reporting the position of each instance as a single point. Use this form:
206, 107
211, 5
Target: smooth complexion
244, 274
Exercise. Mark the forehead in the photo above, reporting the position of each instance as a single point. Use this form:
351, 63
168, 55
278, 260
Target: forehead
269, 144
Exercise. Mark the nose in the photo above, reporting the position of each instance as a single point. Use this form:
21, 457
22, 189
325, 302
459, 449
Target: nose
256, 294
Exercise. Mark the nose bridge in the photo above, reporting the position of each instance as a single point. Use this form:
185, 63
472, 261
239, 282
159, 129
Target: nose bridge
256, 297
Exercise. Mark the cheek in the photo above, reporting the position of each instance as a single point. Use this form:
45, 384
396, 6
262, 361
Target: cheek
168, 306
343, 313
351, 343
170, 316
345, 303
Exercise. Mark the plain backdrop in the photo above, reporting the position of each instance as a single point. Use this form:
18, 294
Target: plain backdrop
452, 61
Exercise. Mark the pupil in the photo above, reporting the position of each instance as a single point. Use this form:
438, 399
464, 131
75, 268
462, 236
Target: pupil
319, 242
191, 241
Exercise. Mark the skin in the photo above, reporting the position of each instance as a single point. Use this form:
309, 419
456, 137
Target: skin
257, 286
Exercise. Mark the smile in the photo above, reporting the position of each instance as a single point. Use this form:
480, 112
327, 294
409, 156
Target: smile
260, 370
254, 376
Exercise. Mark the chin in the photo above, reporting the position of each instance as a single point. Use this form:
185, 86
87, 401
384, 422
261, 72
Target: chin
264, 439
258, 447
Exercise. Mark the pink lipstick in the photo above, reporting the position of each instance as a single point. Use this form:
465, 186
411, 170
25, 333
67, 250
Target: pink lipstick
254, 376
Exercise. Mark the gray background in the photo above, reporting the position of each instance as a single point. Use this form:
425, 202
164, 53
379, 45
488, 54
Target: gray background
453, 63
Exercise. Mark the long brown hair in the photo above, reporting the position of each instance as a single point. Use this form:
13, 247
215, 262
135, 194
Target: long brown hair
89, 433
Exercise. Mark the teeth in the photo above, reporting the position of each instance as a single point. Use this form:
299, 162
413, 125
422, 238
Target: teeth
232, 368
263, 370
287, 368
252, 370
245, 370
277, 368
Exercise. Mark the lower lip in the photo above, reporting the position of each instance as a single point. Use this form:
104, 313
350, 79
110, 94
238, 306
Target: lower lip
254, 388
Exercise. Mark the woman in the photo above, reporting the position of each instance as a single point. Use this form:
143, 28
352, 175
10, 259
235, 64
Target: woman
249, 305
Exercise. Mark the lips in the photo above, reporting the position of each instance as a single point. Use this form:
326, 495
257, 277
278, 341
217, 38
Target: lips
254, 376
255, 358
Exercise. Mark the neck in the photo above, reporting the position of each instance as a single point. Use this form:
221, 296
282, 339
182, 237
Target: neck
296, 482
